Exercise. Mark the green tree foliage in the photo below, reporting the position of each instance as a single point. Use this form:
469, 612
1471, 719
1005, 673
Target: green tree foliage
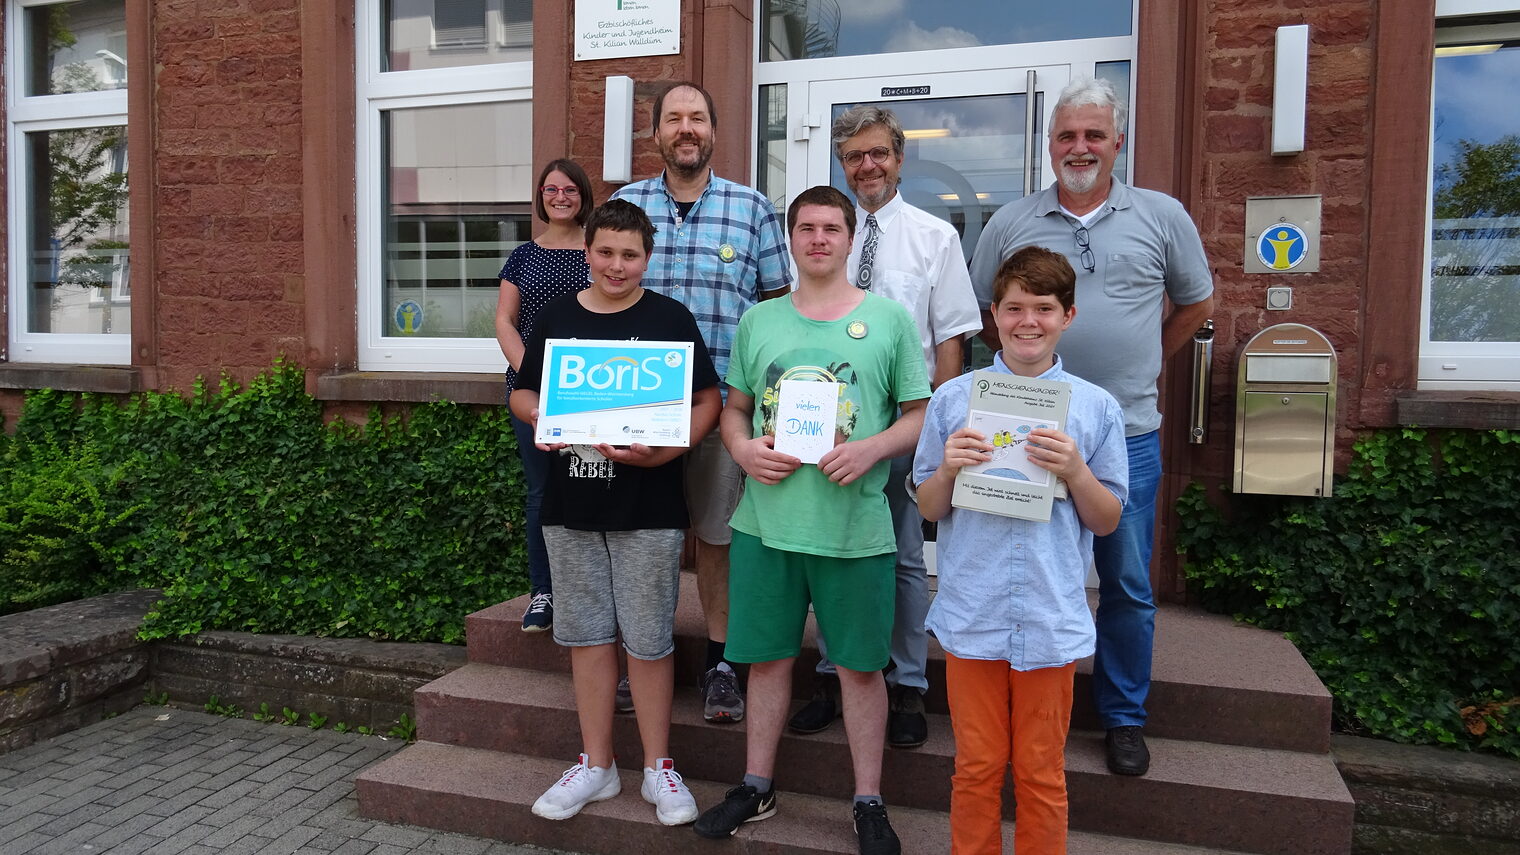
1480, 180
1402, 590
254, 514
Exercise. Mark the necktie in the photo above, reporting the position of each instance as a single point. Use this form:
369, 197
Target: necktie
868, 253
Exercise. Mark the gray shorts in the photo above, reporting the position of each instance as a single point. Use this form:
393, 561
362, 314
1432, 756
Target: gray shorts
714, 483
611, 581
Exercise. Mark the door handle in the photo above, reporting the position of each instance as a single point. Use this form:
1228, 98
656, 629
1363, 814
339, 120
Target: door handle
1031, 117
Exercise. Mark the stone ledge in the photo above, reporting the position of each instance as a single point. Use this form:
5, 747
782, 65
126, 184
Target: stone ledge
420, 659
1374, 761
351, 680
68, 665
55, 637
1423, 800
412, 387
71, 378
1452, 409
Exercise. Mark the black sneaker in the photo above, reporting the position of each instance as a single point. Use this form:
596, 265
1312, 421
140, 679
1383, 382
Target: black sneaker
906, 725
1127, 754
540, 613
872, 830
742, 804
822, 710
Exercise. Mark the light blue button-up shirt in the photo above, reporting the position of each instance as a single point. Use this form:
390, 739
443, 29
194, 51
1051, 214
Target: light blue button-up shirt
1013, 589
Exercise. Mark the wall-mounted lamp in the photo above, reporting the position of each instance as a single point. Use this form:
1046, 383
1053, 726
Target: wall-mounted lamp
1290, 89
617, 131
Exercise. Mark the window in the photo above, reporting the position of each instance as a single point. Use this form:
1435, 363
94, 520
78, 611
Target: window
1471, 310
70, 270
445, 177
814, 29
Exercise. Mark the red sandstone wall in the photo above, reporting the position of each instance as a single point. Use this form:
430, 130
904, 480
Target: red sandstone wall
651, 74
228, 231
1236, 101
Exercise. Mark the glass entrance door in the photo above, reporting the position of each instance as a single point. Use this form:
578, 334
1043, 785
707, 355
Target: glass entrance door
975, 138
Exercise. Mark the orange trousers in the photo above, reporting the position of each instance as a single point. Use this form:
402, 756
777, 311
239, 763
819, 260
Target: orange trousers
1003, 716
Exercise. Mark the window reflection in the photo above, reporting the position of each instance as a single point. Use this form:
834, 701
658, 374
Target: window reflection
1117, 73
451, 33
79, 263
810, 29
770, 171
76, 47
1475, 229
458, 189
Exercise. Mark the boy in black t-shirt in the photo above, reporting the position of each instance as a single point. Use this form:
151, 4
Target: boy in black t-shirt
613, 520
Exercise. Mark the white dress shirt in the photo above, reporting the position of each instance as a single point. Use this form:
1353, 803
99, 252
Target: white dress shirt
919, 264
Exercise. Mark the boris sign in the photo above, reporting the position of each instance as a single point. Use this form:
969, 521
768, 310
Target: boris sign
617, 392
608, 29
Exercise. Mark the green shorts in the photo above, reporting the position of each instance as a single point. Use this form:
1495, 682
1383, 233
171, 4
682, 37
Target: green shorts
768, 595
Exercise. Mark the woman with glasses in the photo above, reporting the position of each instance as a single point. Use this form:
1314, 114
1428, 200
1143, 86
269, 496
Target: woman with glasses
552, 264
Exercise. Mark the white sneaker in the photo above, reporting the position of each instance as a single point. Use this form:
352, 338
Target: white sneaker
663, 788
581, 785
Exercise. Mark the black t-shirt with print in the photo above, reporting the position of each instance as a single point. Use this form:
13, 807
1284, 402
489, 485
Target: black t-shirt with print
586, 491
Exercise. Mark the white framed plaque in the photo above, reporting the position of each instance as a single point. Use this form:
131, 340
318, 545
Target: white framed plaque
615, 392
608, 29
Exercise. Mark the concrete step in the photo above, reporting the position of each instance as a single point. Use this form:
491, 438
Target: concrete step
490, 794
1223, 796
1213, 679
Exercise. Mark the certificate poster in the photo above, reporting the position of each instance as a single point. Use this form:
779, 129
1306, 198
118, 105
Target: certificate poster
617, 392
806, 415
1006, 408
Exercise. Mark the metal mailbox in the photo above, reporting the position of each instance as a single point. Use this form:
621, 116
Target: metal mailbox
1285, 413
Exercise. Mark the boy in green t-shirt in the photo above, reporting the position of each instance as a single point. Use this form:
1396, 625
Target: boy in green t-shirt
819, 534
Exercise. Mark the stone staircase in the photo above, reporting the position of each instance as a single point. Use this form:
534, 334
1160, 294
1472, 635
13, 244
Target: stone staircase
1239, 735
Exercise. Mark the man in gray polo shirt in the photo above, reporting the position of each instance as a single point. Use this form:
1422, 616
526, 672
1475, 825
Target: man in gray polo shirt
1132, 250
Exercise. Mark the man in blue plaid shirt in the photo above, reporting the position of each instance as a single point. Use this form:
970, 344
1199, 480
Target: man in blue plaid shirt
719, 249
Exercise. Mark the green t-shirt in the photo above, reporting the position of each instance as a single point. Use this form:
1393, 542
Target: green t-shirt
874, 354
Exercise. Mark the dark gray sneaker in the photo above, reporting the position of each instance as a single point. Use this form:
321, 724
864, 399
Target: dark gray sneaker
872, 830
742, 804
721, 701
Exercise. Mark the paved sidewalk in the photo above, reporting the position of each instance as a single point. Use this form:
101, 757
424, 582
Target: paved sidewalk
167, 781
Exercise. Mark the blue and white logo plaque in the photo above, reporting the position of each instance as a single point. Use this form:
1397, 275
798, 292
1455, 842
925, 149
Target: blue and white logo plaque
617, 392
1282, 246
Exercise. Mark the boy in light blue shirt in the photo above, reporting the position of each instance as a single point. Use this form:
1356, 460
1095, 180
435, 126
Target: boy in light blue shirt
1011, 612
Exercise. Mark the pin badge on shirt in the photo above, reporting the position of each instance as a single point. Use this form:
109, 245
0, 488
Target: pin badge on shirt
856, 329
726, 253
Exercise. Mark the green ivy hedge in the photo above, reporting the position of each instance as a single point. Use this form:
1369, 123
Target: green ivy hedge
1402, 590
254, 514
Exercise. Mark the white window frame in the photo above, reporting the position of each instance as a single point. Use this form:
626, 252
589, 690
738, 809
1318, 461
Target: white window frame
1081, 56
1458, 365
379, 91
30, 114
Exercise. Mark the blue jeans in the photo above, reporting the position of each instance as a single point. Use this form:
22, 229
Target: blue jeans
535, 466
1126, 609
